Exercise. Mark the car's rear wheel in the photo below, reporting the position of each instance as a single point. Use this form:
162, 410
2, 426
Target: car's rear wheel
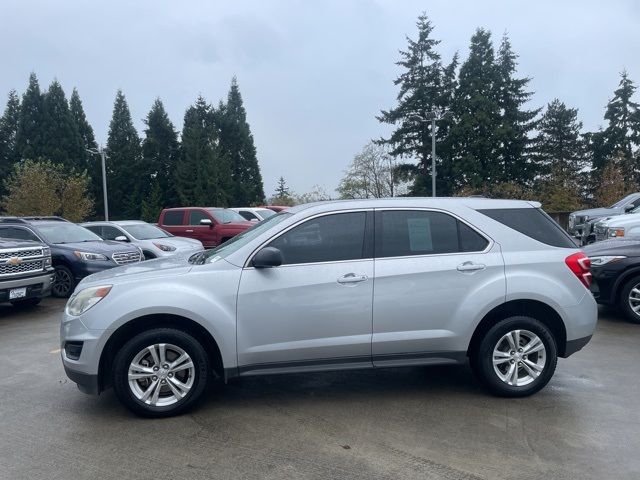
516, 357
161, 372
630, 300
26, 303
64, 282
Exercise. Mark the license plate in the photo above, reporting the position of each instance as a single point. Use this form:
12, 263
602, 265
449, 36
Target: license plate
17, 293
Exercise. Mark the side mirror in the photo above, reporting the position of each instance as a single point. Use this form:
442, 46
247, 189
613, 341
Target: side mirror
206, 221
628, 208
267, 257
121, 238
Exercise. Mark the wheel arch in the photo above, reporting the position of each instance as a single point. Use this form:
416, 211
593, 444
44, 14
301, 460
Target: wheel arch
137, 325
525, 307
622, 281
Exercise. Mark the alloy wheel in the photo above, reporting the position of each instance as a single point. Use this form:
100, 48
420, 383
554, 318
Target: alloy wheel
519, 357
62, 284
161, 374
634, 299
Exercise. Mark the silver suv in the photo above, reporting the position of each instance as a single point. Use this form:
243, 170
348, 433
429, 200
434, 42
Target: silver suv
339, 285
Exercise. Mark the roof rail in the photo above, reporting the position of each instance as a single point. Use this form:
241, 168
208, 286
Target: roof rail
44, 217
12, 220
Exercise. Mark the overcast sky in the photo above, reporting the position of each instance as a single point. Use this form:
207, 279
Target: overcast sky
313, 74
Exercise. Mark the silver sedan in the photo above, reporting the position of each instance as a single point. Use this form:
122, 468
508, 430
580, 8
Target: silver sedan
153, 241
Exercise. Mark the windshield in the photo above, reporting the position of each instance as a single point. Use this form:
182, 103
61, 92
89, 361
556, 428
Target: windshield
64, 232
144, 231
620, 203
266, 213
227, 216
239, 240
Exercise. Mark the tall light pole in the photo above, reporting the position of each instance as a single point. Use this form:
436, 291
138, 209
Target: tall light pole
432, 117
103, 156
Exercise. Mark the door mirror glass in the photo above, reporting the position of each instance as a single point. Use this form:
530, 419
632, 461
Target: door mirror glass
628, 208
121, 238
206, 221
267, 257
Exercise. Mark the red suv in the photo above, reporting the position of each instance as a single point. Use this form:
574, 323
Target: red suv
212, 226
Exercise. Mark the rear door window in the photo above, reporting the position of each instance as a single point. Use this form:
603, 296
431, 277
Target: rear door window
533, 223
173, 217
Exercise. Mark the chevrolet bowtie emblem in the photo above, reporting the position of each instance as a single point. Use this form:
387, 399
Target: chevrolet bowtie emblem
14, 261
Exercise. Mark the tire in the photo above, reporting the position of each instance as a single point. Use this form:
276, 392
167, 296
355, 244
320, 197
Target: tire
532, 371
629, 299
167, 403
27, 302
64, 282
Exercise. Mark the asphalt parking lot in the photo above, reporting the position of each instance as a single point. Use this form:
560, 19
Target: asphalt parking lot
422, 423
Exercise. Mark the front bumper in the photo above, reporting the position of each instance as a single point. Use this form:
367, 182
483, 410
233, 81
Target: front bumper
84, 269
38, 285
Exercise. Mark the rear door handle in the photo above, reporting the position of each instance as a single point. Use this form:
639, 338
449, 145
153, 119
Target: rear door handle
352, 278
470, 267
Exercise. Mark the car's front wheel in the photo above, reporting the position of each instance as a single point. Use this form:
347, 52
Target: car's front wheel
630, 300
64, 282
516, 357
160, 372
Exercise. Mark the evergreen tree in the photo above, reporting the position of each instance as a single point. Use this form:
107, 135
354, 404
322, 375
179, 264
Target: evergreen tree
153, 204
516, 123
9, 155
195, 175
237, 147
125, 183
424, 88
282, 191
622, 134
559, 154
29, 137
476, 108
61, 141
92, 164
160, 151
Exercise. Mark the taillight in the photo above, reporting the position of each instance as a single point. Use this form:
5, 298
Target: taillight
580, 265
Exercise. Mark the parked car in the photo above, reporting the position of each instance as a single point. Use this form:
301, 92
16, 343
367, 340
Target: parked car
153, 241
76, 252
26, 274
211, 226
254, 214
619, 226
494, 281
616, 272
582, 222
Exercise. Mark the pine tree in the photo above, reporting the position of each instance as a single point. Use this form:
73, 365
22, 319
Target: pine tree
29, 137
9, 155
152, 205
516, 123
282, 191
160, 151
237, 147
92, 161
125, 183
477, 114
61, 141
195, 174
559, 155
622, 134
424, 88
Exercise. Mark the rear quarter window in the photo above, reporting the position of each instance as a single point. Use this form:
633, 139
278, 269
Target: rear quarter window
533, 223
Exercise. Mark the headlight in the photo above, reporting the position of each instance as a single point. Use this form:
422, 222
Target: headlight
600, 261
616, 232
164, 248
88, 256
47, 256
85, 299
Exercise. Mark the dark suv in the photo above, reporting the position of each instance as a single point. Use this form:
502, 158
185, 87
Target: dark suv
76, 252
26, 274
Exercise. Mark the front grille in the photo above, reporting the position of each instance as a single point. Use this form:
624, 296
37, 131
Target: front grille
122, 258
29, 266
20, 253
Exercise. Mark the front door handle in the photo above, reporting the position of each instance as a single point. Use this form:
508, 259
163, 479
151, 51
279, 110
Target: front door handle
189, 231
470, 267
352, 278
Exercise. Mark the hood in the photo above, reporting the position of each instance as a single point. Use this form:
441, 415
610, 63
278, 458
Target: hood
105, 247
599, 212
161, 267
11, 243
623, 220
629, 247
